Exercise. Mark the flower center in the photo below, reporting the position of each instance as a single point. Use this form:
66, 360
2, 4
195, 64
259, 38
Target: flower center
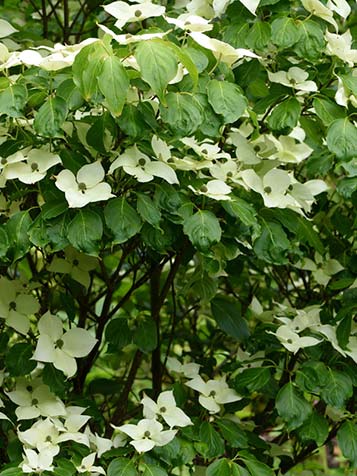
229, 174
267, 190
29, 388
3, 161
256, 148
162, 409
141, 162
204, 151
138, 13
49, 438
212, 393
34, 167
75, 262
147, 434
82, 187
290, 188
34, 401
59, 344
289, 341
203, 189
12, 305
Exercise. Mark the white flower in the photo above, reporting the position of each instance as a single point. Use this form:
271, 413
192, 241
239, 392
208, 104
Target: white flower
291, 340
322, 268
304, 193
295, 78
272, 186
251, 5
127, 38
206, 149
320, 10
43, 435
86, 465
161, 149
222, 51
37, 462
60, 348
38, 161
339, 6
125, 13
340, 46
135, 163
16, 307
76, 264
288, 151
344, 95
189, 22
214, 393
188, 370
147, 434
215, 189
99, 444
166, 408
86, 187
35, 399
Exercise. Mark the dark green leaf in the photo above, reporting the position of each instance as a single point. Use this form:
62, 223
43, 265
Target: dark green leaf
152, 470
209, 436
253, 379
113, 83
145, 335
343, 331
203, 230
183, 113
13, 100
255, 467
233, 433
285, 116
121, 219
347, 440
338, 389
121, 467
284, 32
17, 230
118, 334
148, 210
315, 428
18, 359
55, 379
341, 139
85, 231
220, 467
273, 244
311, 41
327, 110
50, 117
226, 99
228, 316
292, 406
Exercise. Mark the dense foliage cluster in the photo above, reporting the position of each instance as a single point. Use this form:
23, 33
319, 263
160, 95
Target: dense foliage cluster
178, 262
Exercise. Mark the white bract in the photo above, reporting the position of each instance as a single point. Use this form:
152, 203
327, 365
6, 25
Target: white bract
87, 465
291, 340
295, 78
288, 151
139, 165
166, 407
189, 22
147, 434
341, 46
125, 13
35, 399
322, 268
86, 187
320, 10
61, 348
34, 462
188, 369
43, 435
215, 189
213, 393
127, 38
33, 168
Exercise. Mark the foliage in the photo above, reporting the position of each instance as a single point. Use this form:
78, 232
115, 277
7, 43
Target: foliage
177, 237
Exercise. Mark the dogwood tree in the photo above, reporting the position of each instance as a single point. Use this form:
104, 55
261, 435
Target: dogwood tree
177, 237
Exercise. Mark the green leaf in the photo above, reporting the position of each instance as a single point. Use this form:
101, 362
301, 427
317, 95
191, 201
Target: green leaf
185, 58
55, 379
13, 100
284, 32
338, 389
85, 231
243, 210
327, 110
121, 467
233, 433
68, 91
341, 139
315, 428
148, 210
292, 406
311, 41
306, 232
118, 334
152, 470
228, 316
50, 117
343, 331
214, 442
273, 244
219, 467
254, 466
347, 440
253, 379
102, 133
4, 241
87, 67
203, 230
183, 113
285, 116
122, 220
18, 359
132, 121
114, 84
17, 229
258, 37
226, 99
157, 63
12, 472
145, 335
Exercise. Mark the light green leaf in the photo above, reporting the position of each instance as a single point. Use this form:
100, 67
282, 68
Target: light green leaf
203, 230
13, 100
284, 32
315, 429
259, 34
219, 467
228, 315
292, 406
338, 389
113, 83
341, 139
327, 110
121, 219
148, 210
68, 91
285, 116
226, 99
347, 440
158, 65
121, 467
50, 117
85, 231
183, 113
153, 470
